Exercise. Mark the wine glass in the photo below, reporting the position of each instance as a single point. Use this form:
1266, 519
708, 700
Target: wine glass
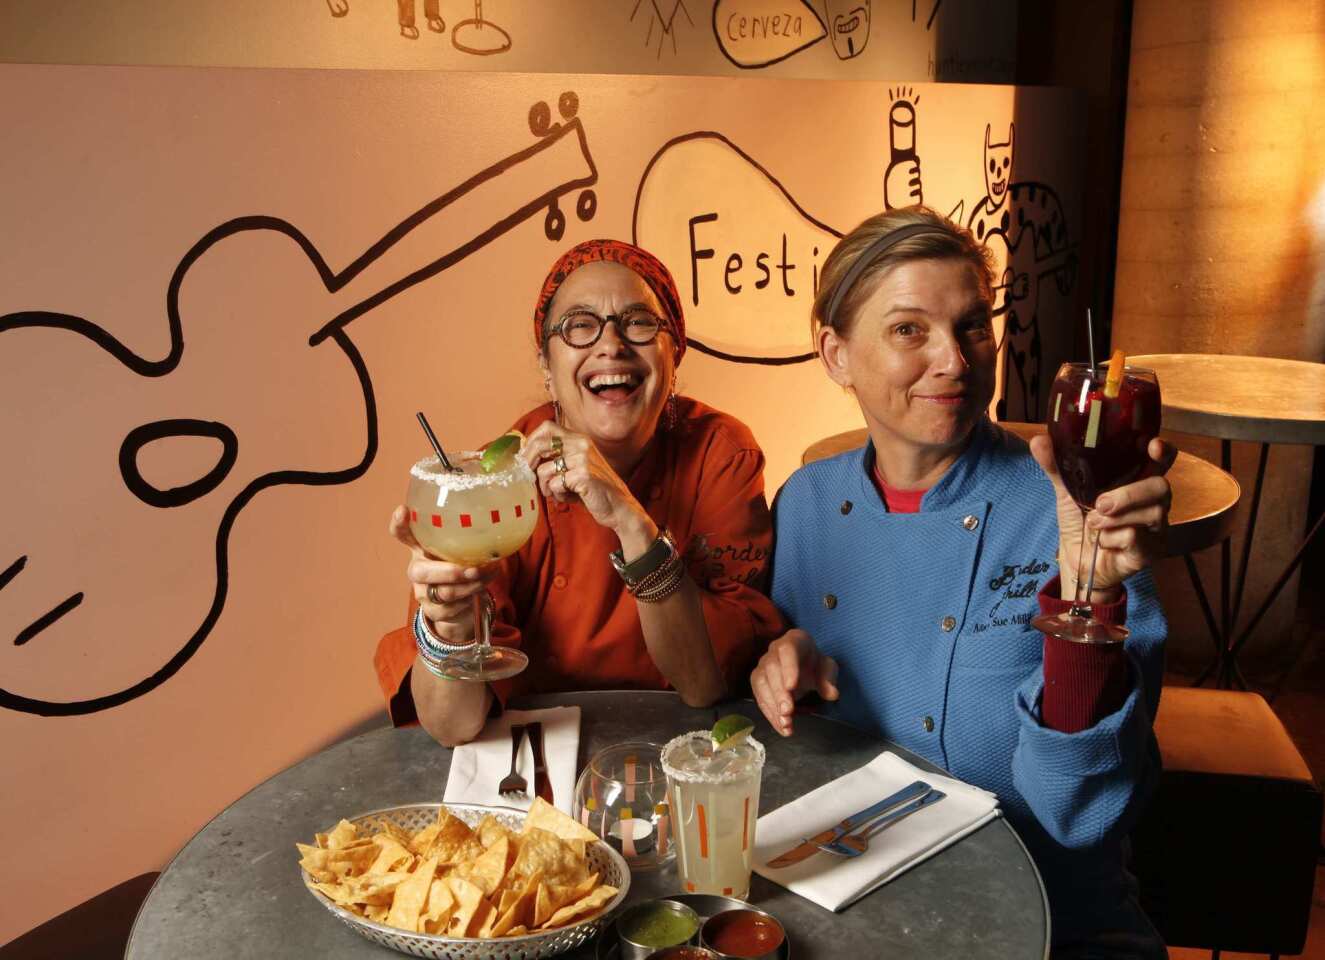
473, 516
1101, 421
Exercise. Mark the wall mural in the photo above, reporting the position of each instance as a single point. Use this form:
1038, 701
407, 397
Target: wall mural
750, 257
746, 253
474, 35
662, 24
559, 158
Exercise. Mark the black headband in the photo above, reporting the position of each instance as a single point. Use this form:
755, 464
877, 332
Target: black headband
868, 257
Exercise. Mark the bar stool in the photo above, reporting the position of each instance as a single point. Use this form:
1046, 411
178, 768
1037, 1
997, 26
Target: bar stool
1226, 852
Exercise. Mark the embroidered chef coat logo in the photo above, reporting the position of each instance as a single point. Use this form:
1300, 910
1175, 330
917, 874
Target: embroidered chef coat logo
1016, 581
741, 562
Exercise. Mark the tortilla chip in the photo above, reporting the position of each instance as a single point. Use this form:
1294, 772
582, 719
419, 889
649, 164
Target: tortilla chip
544, 905
441, 904
519, 931
393, 830
543, 852
544, 816
422, 840
341, 834
411, 896
518, 912
488, 869
376, 913
481, 925
468, 897
582, 908
489, 830
452, 836
391, 856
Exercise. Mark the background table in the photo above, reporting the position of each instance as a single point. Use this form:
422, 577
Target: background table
1203, 495
1264, 400
234, 891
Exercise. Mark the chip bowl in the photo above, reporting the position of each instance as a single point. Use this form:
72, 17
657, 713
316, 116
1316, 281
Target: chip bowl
609, 864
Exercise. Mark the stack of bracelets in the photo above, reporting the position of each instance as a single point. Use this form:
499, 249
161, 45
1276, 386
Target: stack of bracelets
655, 575
433, 650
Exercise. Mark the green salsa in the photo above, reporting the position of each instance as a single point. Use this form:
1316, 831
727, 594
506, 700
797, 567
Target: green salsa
658, 927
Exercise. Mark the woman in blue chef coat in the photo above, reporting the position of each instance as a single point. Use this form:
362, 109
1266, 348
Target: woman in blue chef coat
912, 567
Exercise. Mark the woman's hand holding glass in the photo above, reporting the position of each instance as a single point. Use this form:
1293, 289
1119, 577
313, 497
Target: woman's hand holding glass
1129, 521
445, 591
570, 468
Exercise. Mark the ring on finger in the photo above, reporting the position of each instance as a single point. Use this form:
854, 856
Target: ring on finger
432, 595
560, 466
556, 445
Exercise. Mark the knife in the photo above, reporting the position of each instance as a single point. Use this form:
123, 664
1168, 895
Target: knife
810, 845
542, 785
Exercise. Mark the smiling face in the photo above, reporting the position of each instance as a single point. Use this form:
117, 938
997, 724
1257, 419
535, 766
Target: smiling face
998, 167
849, 26
919, 356
614, 391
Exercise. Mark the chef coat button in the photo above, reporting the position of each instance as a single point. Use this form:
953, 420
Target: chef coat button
559, 581
846, 507
830, 601
947, 623
970, 521
928, 724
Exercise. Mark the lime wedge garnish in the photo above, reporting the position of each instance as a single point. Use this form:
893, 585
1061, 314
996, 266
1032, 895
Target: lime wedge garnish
730, 731
499, 453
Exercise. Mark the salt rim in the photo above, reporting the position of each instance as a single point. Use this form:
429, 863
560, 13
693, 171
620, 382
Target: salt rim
429, 471
687, 776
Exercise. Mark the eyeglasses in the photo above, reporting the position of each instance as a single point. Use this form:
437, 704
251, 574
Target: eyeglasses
582, 328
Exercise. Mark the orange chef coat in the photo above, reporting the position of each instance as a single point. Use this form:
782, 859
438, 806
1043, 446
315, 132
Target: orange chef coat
560, 601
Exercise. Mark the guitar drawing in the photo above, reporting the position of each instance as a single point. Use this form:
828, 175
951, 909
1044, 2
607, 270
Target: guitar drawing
301, 356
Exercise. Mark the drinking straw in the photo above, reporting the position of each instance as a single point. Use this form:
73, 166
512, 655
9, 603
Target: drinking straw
432, 438
1090, 336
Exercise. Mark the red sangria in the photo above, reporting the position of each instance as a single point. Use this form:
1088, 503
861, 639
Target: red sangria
1100, 442
1101, 422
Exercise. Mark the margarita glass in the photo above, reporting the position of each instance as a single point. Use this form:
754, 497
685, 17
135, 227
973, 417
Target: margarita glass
1101, 422
714, 805
472, 516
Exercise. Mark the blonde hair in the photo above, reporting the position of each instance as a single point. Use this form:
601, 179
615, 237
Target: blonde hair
944, 240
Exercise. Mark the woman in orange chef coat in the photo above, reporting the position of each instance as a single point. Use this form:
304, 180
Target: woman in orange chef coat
672, 487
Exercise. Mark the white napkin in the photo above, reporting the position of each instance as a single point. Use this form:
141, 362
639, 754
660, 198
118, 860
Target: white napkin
478, 766
833, 882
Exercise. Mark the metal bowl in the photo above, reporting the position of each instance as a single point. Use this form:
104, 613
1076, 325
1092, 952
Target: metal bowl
609, 864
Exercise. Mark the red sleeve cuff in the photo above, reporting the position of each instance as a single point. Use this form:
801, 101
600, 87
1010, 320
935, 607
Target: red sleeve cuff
1083, 682
1051, 603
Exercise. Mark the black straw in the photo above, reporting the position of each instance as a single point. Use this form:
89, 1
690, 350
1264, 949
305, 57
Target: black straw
432, 438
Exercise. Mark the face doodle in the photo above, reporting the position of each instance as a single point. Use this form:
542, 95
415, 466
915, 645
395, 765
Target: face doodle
849, 26
998, 167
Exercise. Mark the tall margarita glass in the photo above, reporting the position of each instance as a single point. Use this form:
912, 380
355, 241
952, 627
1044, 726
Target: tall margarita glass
472, 517
1101, 422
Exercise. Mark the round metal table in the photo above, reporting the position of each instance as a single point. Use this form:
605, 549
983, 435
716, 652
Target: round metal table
234, 891
1203, 495
1265, 400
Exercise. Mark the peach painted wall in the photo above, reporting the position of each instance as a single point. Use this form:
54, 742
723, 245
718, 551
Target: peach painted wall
1221, 249
117, 179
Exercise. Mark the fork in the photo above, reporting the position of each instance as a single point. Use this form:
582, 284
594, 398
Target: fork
857, 843
513, 785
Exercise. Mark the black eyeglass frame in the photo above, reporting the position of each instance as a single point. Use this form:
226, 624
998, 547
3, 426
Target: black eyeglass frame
559, 328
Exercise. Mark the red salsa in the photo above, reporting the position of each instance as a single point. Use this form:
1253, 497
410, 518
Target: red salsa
742, 933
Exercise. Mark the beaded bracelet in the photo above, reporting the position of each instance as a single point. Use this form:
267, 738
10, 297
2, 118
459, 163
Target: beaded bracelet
433, 650
662, 583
